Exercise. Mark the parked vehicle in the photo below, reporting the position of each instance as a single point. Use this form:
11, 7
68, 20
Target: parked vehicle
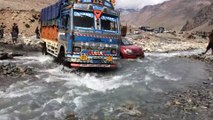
130, 51
85, 33
161, 29
146, 29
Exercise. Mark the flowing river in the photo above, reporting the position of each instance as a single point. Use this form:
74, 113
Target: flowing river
55, 91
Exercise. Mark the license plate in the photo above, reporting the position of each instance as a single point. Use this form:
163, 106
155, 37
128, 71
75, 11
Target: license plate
83, 57
109, 58
96, 61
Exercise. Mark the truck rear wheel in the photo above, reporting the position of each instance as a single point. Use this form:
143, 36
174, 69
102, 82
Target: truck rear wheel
44, 48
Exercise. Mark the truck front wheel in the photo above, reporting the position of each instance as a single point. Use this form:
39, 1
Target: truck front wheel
61, 56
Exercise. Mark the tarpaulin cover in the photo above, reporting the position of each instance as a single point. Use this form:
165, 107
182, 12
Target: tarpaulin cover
50, 12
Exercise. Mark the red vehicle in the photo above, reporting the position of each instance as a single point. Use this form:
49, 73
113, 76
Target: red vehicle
130, 51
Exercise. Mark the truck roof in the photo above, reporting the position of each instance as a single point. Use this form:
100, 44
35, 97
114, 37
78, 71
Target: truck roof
52, 11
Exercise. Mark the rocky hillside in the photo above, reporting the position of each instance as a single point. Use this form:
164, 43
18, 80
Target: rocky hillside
26, 20
25, 4
171, 14
23, 12
203, 20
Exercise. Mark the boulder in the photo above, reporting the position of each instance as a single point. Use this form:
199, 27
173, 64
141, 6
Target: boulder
4, 56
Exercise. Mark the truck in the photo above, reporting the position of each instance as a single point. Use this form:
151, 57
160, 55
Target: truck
84, 33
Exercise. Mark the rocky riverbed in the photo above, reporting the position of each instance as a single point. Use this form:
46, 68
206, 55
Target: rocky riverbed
23, 43
167, 42
196, 102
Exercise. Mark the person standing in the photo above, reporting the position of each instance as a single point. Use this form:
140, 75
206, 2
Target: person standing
37, 33
15, 28
2, 30
14, 33
210, 45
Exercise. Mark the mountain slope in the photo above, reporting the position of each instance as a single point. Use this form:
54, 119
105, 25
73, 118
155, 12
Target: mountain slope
25, 4
203, 20
171, 14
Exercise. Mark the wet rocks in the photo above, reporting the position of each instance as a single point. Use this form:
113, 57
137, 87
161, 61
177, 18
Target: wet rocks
4, 55
8, 69
204, 58
24, 44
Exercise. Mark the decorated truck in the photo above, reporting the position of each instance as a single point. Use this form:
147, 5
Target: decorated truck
84, 33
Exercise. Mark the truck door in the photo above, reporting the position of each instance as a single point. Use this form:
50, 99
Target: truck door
66, 27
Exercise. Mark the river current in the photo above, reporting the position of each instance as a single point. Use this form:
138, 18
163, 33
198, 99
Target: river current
55, 91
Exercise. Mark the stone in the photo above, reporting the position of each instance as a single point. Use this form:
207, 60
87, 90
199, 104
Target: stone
176, 102
129, 109
71, 116
4, 56
203, 107
210, 78
94, 117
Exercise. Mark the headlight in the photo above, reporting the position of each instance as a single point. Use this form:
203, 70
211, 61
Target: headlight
128, 51
77, 49
113, 51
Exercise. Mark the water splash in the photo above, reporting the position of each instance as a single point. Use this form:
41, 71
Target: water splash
163, 74
177, 53
35, 59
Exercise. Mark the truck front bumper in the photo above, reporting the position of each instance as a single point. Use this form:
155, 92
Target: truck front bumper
93, 65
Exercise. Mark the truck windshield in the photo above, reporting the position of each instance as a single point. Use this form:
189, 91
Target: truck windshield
83, 20
109, 23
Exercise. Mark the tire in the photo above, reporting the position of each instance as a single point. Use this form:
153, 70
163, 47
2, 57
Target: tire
121, 55
44, 48
61, 59
61, 56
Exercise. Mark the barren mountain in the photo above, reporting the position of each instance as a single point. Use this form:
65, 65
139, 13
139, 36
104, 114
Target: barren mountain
171, 14
203, 20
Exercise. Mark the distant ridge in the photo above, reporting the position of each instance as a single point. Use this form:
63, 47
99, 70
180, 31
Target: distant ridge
171, 14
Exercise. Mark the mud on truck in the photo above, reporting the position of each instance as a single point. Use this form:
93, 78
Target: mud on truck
85, 33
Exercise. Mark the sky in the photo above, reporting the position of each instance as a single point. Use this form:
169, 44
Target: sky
137, 4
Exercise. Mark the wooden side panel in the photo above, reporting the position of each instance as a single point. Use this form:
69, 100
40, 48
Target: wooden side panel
49, 32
